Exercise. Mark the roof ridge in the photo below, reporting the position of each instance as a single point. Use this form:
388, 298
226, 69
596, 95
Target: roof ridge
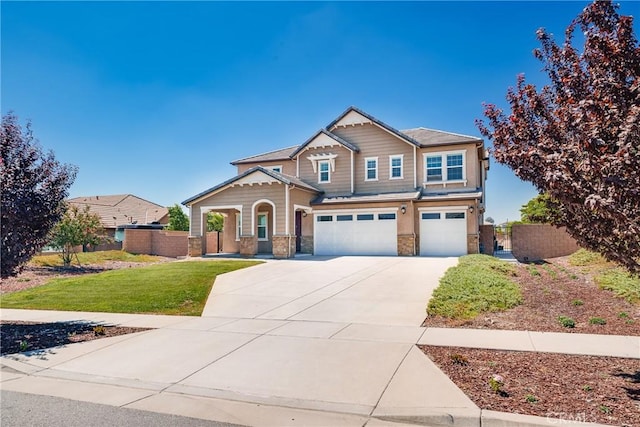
442, 131
377, 121
265, 153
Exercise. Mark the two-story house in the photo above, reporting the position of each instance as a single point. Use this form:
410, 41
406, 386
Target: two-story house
356, 187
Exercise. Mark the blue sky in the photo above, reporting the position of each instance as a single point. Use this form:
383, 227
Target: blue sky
156, 98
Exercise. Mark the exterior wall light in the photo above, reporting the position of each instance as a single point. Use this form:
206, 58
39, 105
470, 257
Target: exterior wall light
403, 209
470, 209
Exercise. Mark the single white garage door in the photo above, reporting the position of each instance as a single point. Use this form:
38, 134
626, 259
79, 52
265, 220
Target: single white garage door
355, 233
443, 233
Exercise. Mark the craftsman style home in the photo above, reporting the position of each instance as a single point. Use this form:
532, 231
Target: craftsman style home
356, 187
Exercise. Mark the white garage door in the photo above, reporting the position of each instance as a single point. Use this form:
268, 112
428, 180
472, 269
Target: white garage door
443, 233
355, 233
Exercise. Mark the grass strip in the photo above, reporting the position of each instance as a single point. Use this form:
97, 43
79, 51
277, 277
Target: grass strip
478, 284
179, 288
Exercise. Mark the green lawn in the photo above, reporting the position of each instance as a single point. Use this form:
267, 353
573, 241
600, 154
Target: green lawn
479, 283
179, 288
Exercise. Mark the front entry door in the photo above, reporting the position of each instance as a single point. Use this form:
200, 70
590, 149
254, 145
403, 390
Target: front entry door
298, 231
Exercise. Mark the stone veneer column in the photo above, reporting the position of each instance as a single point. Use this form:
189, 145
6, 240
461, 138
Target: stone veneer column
195, 246
406, 245
284, 246
306, 244
248, 245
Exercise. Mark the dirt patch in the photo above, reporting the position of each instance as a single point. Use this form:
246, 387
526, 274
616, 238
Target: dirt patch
571, 388
17, 337
555, 289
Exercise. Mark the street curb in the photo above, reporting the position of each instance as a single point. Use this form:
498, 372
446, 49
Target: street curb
490, 418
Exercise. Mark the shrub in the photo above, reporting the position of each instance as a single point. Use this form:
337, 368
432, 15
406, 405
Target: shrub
584, 257
479, 283
621, 283
567, 322
597, 321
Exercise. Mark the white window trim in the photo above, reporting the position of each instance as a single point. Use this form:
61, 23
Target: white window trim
443, 155
238, 226
366, 168
328, 163
266, 227
396, 156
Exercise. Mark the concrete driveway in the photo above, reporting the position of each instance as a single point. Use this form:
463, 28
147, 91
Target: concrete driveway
366, 290
333, 336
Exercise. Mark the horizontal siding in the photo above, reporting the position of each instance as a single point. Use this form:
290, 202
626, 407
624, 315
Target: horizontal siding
340, 178
375, 142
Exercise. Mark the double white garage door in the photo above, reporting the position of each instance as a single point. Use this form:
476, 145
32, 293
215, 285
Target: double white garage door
356, 233
442, 233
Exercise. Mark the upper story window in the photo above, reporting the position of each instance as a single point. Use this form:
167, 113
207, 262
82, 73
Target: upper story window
371, 169
262, 226
445, 167
324, 171
276, 169
395, 167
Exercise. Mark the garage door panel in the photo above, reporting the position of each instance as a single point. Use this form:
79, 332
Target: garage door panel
356, 233
443, 233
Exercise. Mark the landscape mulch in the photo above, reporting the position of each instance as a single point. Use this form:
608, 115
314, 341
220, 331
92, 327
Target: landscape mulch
564, 388
17, 337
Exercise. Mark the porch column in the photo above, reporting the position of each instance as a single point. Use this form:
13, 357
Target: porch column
248, 245
195, 246
284, 246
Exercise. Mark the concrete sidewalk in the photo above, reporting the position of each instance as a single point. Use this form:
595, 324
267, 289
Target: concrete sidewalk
327, 342
264, 372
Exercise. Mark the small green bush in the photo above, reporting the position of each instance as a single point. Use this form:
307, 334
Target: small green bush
597, 321
567, 322
531, 398
531, 268
577, 302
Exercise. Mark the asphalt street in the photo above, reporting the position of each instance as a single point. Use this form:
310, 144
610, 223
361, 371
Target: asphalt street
21, 409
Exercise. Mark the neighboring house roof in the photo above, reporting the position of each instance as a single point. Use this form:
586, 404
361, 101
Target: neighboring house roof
282, 154
121, 209
429, 137
367, 198
285, 179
